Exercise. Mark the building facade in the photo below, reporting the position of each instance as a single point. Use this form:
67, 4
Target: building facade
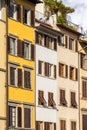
3, 87
46, 77
21, 65
68, 80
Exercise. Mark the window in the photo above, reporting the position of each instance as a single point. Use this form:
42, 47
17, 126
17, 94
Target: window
49, 126
27, 50
27, 79
73, 125
14, 10
51, 101
84, 122
84, 88
63, 70
62, 125
47, 69
28, 16
27, 118
15, 76
12, 45
41, 99
73, 73
15, 116
62, 98
12, 116
73, 99
60, 41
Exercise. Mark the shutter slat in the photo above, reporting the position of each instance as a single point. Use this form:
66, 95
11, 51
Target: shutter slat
19, 117
19, 12
8, 44
19, 77
27, 119
54, 71
32, 18
32, 52
20, 48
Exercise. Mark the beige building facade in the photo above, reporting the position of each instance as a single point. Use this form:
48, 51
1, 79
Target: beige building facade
2, 65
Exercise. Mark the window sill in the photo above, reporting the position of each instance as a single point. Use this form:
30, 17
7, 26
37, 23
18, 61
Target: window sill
84, 98
46, 77
20, 128
62, 105
28, 25
63, 77
13, 19
20, 87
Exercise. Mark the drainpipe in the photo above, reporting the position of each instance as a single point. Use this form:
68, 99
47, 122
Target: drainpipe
6, 4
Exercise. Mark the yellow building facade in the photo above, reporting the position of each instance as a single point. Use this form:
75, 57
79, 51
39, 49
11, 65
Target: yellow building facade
21, 64
3, 99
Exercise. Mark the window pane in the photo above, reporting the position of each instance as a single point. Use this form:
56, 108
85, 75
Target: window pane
26, 50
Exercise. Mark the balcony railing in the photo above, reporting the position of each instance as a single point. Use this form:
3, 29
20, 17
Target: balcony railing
52, 19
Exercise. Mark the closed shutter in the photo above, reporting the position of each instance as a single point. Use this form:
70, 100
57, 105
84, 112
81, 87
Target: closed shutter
37, 125
36, 38
45, 125
19, 77
19, 117
32, 52
20, 49
66, 71
39, 67
32, 18
55, 44
8, 44
70, 44
84, 121
19, 12
62, 125
12, 76
27, 118
54, 71
27, 79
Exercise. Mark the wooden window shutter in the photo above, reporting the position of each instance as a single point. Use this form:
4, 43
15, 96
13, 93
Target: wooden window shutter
32, 52
32, 17
66, 71
84, 88
73, 100
84, 122
10, 115
59, 69
45, 125
46, 69
76, 46
36, 37
8, 44
61, 95
76, 74
27, 118
29, 79
37, 125
19, 12
39, 67
19, 77
66, 41
20, 47
54, 126
19, 117
55, 44
54, 71
70, 73
12, 76
25, 79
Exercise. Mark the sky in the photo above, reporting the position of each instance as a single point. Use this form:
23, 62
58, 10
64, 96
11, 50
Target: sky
79, 17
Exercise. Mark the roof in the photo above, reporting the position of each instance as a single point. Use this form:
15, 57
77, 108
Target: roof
69, 29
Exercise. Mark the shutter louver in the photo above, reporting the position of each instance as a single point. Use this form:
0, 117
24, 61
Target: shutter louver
36, 38
32, 52
20, 49
27, 118
55, 44
54, 126
76, 46
12, 76
19, 12
19, 77
66, 71
39, 67
46, 69
8, 44
19, 117
76, 74
54, 71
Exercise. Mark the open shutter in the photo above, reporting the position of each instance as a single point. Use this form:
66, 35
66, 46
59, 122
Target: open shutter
32, 18
10, 115
55, 44
19, 117
46, 69
84, 88
76, 46
19, 12
20, 49
36, 37
66, 71
28, 79
8, 44
54, 126
12, 76
84, 118
54, 71
32, 52
19, 77
66, 41
27, 118
76, 74
39, 67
